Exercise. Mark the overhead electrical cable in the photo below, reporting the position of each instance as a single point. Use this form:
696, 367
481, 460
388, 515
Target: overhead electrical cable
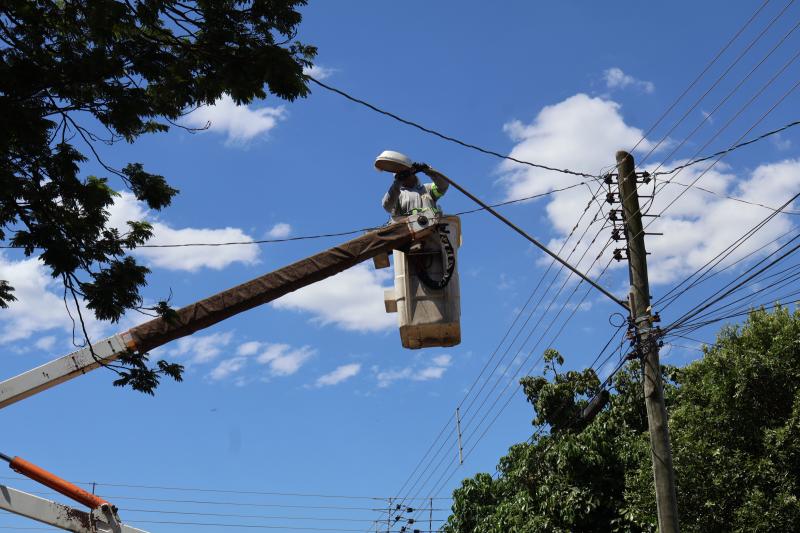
499, 361
731, 149
495, 351
727, 290
444, 480
718, 80
707, 116
446, 137
719, 158
513, 378
706, 271
700, 76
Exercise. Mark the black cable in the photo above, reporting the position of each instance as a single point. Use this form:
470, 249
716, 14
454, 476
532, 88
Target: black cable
707, 116
439, 483
702, 73
722, 152
338, 234
222, 491
673, 294
718, 297
755, 265
446, 137
720, 78
468, 407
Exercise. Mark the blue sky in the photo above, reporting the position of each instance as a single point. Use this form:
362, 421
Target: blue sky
314, 394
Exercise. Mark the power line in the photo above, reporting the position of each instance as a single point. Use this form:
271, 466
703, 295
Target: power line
719, 79
266, 517
337, 234
494, 353
224, 491
446, 137
707, 116
702, 73
727, 150
674, 293
439, 484
716, 297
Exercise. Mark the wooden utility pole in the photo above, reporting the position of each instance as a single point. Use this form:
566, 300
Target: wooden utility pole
647, 344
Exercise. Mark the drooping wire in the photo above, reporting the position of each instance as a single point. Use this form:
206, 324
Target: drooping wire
446, 137
719, 79
700, 76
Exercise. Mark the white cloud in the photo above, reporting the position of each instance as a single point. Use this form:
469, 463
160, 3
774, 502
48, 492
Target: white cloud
339, 375
241, 123
283, 360
190, 258
352, 300
227, 368
699, 226
421, 371
39, 306
279, 359
248, 348
200, 349
319, 72
280, 230
780, 142
615, 78
584, 133
45, 343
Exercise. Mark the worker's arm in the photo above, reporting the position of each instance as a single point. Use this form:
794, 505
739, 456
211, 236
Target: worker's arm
391, 197
440, 182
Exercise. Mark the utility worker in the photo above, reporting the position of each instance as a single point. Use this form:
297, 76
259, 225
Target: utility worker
407, 196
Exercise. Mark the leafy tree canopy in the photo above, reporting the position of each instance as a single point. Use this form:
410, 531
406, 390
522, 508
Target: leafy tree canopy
735, 428
75, 75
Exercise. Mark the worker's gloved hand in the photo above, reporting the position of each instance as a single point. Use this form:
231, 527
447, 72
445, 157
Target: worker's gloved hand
419, 167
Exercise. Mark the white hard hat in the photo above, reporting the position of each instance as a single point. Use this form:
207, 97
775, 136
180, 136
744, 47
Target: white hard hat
394, 162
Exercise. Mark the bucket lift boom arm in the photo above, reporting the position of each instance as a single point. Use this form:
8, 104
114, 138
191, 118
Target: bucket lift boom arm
204, 313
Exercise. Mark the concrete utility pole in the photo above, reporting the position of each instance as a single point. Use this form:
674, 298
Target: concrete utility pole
647, 344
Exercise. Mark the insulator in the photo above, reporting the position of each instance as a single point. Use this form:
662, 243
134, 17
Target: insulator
618, 254
615, 234
610, 197
607, 179
612, 214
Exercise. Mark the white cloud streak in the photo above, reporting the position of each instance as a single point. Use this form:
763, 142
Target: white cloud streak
340, 374
39, 306
241, 123
284, 360
201, 349
319, 72
615, 78
351, 300
432, 369
584, 133
280, 230
191, 259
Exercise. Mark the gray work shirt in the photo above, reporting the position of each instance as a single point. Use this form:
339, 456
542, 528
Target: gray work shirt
402, 201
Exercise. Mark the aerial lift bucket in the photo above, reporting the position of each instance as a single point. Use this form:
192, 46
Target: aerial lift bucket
426, 295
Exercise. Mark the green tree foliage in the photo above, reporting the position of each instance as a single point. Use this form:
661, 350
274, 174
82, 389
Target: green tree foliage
735, 427
78, 75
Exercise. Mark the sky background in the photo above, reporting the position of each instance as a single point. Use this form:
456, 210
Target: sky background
313, 394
